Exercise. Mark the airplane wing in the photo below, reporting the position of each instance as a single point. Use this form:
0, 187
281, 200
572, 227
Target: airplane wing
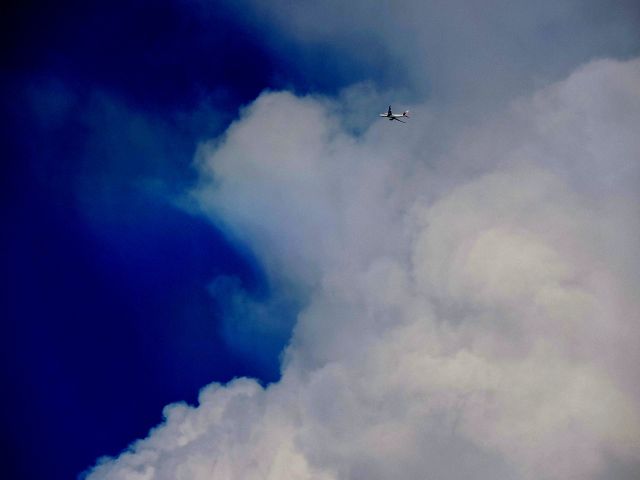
401, 121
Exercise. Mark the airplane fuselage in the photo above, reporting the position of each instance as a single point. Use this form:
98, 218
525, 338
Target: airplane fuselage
393, 116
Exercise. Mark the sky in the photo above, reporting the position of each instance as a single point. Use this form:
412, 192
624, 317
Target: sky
218, 262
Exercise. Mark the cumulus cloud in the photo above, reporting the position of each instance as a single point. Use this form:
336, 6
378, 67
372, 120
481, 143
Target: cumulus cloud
469, 309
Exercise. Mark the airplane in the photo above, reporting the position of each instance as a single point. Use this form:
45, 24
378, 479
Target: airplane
395, 116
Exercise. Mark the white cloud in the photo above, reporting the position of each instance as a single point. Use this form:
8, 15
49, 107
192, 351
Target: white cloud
471, 308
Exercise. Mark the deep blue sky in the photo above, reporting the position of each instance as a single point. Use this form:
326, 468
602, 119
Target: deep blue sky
106, 316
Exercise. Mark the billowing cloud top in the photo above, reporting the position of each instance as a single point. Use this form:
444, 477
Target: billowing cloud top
471, 300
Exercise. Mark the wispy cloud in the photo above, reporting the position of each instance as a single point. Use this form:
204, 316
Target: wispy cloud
459, 53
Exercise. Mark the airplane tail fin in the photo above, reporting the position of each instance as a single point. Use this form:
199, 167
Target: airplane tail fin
405, 113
